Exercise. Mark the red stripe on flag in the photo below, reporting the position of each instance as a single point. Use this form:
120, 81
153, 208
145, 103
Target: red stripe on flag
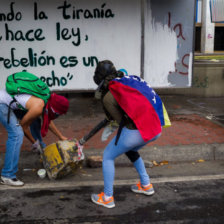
138, 108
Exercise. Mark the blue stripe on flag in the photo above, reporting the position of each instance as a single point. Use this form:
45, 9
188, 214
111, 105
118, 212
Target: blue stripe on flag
139, 84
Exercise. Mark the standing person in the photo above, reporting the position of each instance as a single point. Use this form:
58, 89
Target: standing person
140, 114
35, 107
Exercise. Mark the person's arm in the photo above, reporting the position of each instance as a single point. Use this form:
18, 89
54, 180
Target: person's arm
35, 107
55, 130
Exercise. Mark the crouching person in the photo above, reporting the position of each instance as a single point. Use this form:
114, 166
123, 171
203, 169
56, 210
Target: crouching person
49, 107
140, 114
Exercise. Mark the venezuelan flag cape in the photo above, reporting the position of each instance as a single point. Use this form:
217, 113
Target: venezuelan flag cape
141, 103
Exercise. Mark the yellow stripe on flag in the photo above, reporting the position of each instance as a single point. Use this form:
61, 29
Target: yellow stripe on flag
167, 122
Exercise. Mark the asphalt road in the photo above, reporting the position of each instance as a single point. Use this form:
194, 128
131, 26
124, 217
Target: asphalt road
199, 201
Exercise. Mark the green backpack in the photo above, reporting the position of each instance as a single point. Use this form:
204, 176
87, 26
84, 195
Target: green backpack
24, 82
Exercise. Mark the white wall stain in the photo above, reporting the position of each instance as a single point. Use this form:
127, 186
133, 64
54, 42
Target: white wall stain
168, 42
160, 53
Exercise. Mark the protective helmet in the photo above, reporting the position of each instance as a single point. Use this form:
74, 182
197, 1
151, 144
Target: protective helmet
103, 69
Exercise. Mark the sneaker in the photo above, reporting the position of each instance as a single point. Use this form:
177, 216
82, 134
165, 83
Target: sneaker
100, 200
12, 182
138, 188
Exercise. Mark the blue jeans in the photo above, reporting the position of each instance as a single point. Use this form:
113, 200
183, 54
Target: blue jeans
35, 129
13, 144
129, 140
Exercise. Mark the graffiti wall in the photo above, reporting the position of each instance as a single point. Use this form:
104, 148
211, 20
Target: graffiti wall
62, 41
168, 54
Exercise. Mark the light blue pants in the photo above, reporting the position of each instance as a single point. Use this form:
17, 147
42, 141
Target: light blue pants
13, 144
129, 140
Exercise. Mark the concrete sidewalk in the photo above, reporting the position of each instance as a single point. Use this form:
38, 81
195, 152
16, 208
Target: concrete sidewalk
197, 130
124, 175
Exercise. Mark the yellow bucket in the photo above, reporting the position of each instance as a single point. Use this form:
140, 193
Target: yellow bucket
61, 158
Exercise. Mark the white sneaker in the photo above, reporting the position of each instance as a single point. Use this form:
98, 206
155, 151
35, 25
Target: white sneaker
12, 182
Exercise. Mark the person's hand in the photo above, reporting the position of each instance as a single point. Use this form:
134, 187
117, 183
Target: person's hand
36, 147
108, 130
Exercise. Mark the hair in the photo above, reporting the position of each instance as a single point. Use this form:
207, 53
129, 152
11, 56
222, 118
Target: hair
104, 68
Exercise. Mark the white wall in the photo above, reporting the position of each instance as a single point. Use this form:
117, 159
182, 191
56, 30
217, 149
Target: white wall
117, 38
168, 55
168, 40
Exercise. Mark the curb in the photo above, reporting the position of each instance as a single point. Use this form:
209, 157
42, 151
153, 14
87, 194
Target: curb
172, 153
72, 184
182, 153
